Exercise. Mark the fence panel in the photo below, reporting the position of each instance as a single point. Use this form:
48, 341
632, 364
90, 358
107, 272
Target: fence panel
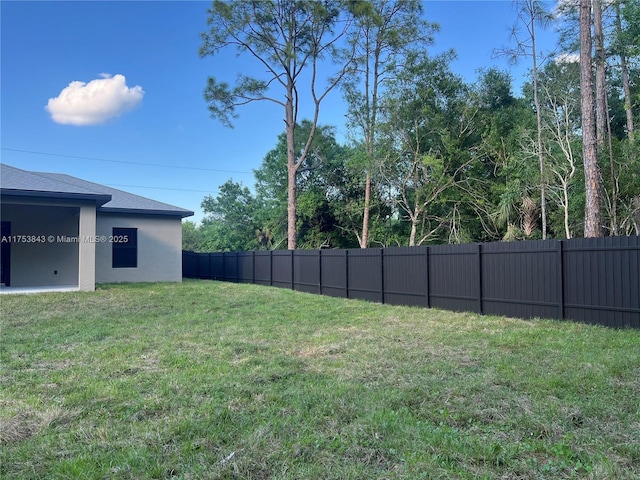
204, 266
588, 280
602, 281
406, 276
211, 266
454, 277
262, 274
365, 274
522, 279
190, 264
245, 267
306, 271
282, 269
230, 266
333, 272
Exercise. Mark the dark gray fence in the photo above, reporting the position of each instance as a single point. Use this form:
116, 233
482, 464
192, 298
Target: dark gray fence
589, 280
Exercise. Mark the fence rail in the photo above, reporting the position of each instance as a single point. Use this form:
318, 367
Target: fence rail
588, 280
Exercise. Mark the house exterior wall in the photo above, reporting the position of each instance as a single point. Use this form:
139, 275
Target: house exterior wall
87, 249
53, 260
159, 250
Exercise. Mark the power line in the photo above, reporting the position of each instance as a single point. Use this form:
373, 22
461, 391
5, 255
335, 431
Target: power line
158, 188
123, 161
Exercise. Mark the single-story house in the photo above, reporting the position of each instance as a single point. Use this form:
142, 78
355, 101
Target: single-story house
62, 231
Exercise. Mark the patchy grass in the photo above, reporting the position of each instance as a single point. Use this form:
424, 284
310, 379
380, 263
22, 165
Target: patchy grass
206, 380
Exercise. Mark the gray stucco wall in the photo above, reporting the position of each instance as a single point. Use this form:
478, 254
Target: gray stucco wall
159, 249
49, 263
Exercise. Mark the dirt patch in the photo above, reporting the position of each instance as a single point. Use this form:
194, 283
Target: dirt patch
320, 351
27, 423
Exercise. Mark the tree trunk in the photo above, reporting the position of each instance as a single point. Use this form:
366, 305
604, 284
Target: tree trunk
626, 85
636, 214
364, 239
291, 209
292, 169
614, 181
536, 100
414, 230
371, 101
603, 122
565, 193
589, 151
601, 78
415, 218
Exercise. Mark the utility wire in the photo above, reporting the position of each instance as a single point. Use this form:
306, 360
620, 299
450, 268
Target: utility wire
158, 188
123, 161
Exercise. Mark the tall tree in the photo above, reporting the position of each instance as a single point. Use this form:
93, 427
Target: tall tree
425, 129
623, 45
504, 181
288, 40
191, 236
388, 32
531, 13
603, 121
589, 142
614, 44
628, 46
322, 192
560, 83
601, 77
229, 224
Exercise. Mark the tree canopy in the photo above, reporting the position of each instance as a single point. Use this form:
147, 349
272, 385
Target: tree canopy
431, 158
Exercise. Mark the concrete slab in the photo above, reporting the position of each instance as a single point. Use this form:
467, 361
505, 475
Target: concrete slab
42, 289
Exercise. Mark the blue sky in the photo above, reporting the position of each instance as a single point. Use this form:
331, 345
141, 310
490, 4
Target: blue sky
163, 144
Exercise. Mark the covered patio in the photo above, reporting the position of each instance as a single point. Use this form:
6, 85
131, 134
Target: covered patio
46, 245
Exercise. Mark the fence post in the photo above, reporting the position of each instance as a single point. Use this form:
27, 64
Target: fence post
426, 256
271, 268
253, 267
224, 267
480, 309
320, 271
293, 271
237, 267
560, 263
225, 273
382, 275
346, 271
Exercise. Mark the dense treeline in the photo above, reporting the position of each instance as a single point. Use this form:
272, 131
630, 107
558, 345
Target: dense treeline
432, 159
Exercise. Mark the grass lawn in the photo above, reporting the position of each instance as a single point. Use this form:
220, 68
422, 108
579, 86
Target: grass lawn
205, 380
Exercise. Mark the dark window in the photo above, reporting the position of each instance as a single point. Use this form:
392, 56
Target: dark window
124, 244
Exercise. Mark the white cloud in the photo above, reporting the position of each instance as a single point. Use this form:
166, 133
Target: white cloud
94, 102
567, 58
